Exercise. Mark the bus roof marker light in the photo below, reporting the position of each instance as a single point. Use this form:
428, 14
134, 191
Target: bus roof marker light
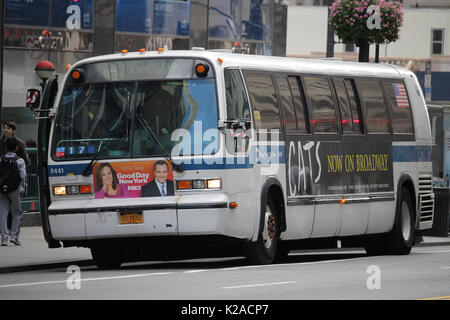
160, 50
68, 66
142, 50
220, 60
124, 51
201, 70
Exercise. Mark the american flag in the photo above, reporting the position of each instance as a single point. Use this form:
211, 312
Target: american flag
400, 95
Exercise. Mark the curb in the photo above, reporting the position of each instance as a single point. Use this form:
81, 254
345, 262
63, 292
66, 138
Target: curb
43, 266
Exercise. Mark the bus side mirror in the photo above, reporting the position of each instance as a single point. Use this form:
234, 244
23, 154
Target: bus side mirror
33, 99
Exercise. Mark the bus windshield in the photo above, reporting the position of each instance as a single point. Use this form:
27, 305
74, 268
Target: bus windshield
124, 118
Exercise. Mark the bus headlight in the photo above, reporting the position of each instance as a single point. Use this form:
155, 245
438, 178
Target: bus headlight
200, 184
59, 191
71, 190
214, 183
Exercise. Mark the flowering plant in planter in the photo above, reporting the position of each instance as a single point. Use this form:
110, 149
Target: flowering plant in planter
365, 22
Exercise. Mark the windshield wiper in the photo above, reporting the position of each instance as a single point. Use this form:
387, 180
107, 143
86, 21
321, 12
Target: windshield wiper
150, 132
88, 170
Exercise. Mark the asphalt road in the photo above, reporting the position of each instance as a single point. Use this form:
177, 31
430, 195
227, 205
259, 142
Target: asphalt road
342, 275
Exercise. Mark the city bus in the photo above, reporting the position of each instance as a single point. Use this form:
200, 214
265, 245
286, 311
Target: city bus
141, 149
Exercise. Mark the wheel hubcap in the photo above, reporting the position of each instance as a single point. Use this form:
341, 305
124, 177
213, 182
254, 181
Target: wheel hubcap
406, 221
269, 232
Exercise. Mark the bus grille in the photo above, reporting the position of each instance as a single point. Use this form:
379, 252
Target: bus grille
426, 202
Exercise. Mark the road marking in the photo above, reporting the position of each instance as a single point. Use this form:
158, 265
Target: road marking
259, 285
195, 271
83, 280
294, 264
440, 251
438, 298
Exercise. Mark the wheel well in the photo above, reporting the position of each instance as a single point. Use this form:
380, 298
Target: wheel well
409, 186
276, 194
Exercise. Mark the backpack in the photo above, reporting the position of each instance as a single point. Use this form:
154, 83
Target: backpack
9, 174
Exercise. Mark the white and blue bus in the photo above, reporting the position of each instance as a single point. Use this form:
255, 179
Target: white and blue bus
256, 150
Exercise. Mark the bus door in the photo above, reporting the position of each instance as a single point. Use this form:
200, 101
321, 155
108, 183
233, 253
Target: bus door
353, 147
374, 160
298, 146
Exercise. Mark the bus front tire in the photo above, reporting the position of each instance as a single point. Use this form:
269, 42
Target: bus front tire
263, 251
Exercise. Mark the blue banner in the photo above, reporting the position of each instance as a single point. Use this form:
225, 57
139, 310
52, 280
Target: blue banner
27, 12
172, 17
134, 16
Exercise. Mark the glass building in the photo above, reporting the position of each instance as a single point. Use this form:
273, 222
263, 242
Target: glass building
65, 31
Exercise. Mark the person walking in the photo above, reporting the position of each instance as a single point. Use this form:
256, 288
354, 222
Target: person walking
12, 175
9, 131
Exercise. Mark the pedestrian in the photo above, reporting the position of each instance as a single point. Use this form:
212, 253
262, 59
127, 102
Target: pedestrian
9, 131
12, 175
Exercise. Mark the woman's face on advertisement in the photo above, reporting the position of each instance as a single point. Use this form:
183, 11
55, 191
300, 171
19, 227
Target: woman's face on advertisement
107, 177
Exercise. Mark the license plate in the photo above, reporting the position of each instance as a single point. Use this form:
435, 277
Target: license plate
131, 218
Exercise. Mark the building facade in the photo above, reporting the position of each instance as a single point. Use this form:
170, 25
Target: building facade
65, 31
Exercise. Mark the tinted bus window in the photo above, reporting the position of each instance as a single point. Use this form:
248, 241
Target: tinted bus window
263, 99
344, 106
400, 108
355, 106
289, 118
299, 104
237, 102
323, 115
372, 99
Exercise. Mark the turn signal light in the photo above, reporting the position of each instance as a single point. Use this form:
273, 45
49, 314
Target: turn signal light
199, 184
183, 184
84, 189
342, 201
233, 205
72, 190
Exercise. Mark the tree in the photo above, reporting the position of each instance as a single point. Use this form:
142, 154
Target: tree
366, 22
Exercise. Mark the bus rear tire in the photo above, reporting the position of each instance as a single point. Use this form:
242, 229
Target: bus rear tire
402, 235
401, 239
263, 251
105, 258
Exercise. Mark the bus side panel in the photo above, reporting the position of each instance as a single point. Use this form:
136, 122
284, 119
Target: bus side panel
327, 219
381, 216
355, 218
299, 221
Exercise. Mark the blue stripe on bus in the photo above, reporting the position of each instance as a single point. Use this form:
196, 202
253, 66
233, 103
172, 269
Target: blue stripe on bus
411, 153
255, 157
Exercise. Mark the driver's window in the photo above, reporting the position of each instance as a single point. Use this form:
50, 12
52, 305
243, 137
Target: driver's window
237, 109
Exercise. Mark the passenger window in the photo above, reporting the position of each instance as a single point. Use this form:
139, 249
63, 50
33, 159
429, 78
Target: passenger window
355, 106
289, 118
263, 99
323, 111
344, 106
299, 104
400, 108
375, 112
236, 97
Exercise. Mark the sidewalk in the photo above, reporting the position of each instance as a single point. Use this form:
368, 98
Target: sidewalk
34, 253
